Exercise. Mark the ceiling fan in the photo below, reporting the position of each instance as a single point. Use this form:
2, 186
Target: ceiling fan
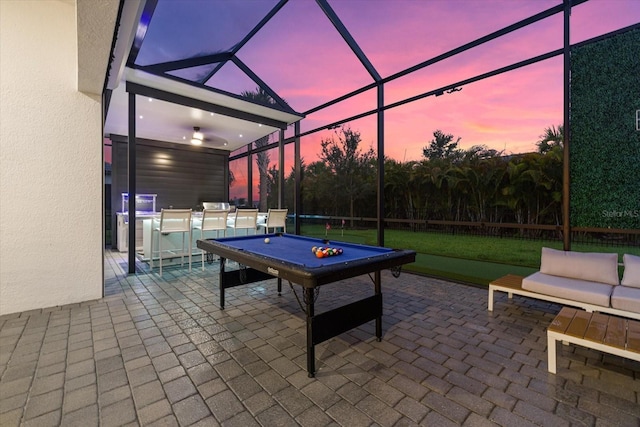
198, 138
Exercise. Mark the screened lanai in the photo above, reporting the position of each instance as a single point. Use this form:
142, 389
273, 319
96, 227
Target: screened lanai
84, 341
275, 86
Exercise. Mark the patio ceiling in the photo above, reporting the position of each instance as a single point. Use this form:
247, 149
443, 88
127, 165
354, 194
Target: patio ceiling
170, 102
168, 110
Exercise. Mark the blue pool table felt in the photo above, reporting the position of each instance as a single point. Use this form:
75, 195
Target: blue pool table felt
297, 249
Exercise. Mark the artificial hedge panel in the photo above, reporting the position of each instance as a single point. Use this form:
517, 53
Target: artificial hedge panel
605, 145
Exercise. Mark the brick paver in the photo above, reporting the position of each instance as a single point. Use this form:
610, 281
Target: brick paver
159, 352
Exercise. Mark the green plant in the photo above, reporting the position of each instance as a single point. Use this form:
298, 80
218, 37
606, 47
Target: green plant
604, 143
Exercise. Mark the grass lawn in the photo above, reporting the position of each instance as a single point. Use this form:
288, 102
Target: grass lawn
471, 259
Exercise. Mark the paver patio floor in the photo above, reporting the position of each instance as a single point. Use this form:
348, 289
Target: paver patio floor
159, 351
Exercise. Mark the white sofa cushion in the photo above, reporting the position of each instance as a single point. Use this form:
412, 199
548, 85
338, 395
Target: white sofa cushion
588, 266
569, 289
631, 275
626, 298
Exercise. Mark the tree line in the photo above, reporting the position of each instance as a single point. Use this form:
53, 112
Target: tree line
477, 184
449, 183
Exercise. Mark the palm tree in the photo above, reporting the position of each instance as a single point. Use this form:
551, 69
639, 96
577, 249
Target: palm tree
546, 173
551, 137
395, 180
260, 96
483, 178
514, 191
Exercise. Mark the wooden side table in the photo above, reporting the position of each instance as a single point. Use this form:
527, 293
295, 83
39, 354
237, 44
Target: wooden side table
510, 284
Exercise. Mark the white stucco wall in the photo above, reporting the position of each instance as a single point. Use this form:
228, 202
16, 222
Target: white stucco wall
50, 162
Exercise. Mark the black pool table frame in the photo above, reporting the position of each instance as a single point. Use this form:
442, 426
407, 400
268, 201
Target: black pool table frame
326, 325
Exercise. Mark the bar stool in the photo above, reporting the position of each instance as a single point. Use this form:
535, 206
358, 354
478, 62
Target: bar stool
212, 220
276, 218
172, 221
245, 219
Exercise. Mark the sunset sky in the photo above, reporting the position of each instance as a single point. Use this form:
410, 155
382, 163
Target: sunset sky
509, 112
506, 112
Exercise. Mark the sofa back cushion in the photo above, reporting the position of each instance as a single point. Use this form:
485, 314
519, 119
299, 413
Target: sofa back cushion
631, 275
590, 266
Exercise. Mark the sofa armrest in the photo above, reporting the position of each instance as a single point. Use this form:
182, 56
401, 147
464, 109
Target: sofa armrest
631, 275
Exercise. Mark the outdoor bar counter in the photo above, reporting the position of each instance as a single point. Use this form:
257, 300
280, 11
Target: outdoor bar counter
145, 223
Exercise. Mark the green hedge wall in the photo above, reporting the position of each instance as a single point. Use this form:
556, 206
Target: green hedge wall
604, 144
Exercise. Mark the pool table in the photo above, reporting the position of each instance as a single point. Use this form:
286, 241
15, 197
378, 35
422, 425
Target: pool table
290, 257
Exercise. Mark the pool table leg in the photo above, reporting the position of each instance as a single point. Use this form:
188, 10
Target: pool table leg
279, 286
220, 282
378, 291
311, 354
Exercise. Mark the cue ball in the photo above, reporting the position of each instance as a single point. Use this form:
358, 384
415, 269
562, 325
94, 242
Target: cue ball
267, 240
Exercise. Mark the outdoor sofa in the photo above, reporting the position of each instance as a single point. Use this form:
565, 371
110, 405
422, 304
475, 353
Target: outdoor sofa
586, 280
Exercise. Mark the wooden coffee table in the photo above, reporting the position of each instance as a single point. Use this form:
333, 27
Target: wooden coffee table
602, 332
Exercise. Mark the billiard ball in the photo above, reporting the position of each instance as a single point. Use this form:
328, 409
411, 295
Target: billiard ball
266, 240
